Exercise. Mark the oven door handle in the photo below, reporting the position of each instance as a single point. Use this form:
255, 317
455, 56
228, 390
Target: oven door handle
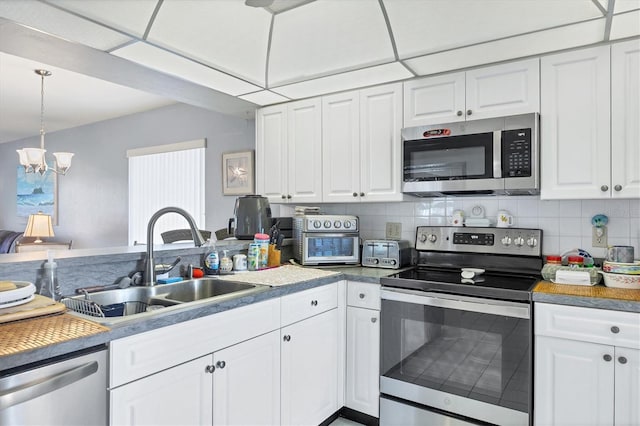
463, 303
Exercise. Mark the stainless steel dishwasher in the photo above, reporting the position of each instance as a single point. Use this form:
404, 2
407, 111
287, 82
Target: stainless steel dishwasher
69, 390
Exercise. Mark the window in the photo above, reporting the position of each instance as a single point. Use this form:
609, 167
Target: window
163, 176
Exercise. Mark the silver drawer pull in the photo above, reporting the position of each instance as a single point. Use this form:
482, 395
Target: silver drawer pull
615, 330
209, 369
374, 319
361, 295
286, 338
622, 360
221, 364
607, 357
314, 303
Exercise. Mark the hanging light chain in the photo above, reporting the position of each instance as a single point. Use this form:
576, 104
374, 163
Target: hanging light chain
42, 74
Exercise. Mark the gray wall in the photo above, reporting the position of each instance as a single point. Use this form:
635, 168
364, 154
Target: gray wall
92, 197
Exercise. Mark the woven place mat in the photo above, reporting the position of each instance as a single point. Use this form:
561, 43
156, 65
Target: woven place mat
25, 335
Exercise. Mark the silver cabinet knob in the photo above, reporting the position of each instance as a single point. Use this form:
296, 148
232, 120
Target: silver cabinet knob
209, 369
459, 113
618, 188
615, 330
362, 194
355, 194
289, 196
220, 364
622, 360
607, 357
286, 338
469, 112
361, 295
604, 188
374, 319
283, 196
314, 303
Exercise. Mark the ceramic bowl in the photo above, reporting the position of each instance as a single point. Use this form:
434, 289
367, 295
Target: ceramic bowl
621, 280
622, 268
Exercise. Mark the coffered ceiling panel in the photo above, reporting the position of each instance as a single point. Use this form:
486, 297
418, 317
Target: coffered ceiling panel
131, 16
525, 45
62, 24
159, 59
422, 27
327, 36
225, 34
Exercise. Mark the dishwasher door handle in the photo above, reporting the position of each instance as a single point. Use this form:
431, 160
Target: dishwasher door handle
33, 389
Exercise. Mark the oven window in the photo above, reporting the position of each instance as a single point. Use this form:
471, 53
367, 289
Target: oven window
480, 356
454, 157
322, 247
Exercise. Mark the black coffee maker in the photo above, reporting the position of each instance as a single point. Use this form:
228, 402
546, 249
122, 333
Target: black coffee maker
252, 215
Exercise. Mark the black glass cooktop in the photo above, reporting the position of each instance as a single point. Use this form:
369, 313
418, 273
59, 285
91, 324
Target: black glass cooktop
489, 284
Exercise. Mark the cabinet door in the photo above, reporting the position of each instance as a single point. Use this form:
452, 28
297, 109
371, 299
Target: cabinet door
627, 395
178, 396
304, 151
434, 100
309, 370
574, 383
574, 123
271, 153
363, 360
380, 144
341, 147
246, 382
508, 89
625, 119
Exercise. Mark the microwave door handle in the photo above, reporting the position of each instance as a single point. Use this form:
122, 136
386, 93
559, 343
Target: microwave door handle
497, 154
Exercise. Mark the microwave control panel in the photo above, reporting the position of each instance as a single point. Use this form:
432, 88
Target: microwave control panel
516, 153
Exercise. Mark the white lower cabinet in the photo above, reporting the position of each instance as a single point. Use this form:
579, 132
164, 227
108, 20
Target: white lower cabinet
213, 389
363, 360
309, 370
587, 366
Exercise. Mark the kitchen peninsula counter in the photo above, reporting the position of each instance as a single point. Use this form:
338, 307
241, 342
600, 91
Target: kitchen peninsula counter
597, 296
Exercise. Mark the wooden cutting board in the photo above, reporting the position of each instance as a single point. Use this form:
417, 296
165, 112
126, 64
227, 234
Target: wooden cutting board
39, 306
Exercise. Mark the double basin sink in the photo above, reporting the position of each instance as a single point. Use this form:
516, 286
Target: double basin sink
115, 306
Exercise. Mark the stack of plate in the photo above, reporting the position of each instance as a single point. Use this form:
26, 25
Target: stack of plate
621, 275
14, 293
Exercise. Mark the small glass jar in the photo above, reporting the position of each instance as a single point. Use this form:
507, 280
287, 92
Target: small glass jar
553, 264
575, 261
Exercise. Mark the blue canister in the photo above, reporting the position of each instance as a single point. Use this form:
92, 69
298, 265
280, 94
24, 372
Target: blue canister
253, 256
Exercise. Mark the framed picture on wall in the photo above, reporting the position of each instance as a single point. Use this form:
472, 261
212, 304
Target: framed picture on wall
237, 173
37, 193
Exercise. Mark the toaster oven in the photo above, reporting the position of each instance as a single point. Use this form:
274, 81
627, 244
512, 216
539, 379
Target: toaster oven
388, 254
326, 240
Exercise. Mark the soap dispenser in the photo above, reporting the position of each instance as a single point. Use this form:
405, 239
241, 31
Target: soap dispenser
49, 286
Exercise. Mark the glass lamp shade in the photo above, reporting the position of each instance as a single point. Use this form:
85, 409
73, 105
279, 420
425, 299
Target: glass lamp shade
24, 161
35, 156
39, 225
63, 159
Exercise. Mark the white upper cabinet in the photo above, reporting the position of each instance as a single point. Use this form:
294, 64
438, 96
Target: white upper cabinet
361, 146
288, 152
589, 123
507, 89
625, 119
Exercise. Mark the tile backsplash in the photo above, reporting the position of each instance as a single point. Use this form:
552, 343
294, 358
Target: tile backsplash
566, 224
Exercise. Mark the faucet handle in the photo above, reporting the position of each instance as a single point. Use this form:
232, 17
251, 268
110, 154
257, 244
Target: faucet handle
163, 268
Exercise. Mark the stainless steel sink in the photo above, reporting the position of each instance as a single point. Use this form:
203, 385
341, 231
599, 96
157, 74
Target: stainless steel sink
115, 306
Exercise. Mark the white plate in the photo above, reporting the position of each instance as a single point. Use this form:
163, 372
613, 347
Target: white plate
22, 294
476, 271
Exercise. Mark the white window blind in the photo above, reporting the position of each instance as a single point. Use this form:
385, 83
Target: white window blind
163, 176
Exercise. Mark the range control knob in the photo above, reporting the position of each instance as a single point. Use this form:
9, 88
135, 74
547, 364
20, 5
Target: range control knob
519, 241
432, 238
532, 242
506, 240
327, 224
337, 224
393, 262
423, 238
317, 224
375, 260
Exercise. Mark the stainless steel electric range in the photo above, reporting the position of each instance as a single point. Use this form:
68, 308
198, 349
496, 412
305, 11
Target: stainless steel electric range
457, 330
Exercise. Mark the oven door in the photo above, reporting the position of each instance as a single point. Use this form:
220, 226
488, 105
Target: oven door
321, 248
466, 356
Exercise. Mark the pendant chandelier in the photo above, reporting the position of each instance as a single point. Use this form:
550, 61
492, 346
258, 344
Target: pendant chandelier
33, 159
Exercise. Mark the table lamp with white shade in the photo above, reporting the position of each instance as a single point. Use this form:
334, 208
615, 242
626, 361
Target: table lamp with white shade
39, 225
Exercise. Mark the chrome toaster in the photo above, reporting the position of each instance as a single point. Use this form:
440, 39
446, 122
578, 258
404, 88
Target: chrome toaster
389, 254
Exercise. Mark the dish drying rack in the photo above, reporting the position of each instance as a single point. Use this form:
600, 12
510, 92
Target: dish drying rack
93, 309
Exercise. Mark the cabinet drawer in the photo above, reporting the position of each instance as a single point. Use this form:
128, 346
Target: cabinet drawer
146, 353
363, 295
588, 324
298, 306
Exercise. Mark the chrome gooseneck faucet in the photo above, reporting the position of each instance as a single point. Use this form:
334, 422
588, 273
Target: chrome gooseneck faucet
150, 269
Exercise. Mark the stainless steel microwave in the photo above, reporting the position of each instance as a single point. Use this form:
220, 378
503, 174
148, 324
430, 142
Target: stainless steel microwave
494, 156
